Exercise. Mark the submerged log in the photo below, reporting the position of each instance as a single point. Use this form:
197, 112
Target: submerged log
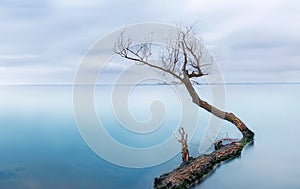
191, 172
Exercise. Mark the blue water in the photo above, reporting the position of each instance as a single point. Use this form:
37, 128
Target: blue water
41, 147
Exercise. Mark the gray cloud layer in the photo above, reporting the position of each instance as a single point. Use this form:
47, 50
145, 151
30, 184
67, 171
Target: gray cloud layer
44, 41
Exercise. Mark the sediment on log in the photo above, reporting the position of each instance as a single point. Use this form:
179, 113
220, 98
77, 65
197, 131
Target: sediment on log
193, 171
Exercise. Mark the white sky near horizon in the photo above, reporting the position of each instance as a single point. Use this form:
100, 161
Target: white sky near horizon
44, 41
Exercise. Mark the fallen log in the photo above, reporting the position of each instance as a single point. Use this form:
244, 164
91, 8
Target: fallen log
191, 172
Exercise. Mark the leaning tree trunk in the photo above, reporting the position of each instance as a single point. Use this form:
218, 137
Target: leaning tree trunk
191, 172
215, 111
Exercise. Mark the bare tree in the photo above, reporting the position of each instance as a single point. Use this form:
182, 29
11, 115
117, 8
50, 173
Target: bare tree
185, 59
184, 144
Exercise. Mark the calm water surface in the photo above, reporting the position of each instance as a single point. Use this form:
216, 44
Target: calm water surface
40, 146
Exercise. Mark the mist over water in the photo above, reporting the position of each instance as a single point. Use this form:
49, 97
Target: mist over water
41, 146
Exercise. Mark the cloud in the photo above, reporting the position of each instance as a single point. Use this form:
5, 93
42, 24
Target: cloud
17, 56
46, 35
77, 3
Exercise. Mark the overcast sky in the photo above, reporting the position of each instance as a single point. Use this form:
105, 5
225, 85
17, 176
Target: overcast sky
253, 41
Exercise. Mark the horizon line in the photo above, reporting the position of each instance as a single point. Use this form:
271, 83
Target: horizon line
148, 84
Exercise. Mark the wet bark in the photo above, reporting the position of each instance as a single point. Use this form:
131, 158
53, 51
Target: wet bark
192, 172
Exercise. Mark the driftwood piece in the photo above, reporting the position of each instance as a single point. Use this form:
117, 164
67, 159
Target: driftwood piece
191, 172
